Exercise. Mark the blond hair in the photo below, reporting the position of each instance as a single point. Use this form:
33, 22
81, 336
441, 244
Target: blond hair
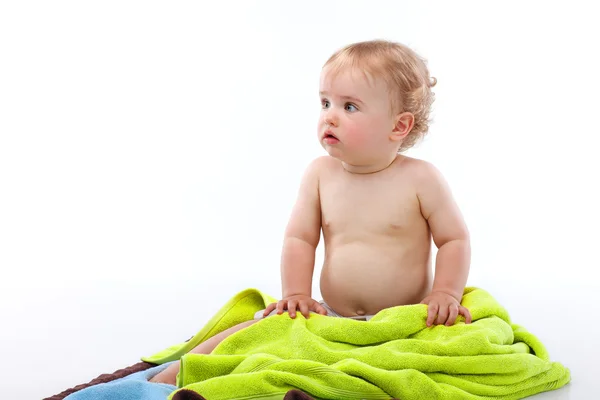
405, 73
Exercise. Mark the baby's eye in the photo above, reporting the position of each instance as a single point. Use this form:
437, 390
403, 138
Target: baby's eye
324, 103
350, 107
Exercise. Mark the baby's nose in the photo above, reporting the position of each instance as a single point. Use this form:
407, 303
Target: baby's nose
331, 118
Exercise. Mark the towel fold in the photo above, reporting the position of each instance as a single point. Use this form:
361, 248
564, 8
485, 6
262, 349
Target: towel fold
393, 355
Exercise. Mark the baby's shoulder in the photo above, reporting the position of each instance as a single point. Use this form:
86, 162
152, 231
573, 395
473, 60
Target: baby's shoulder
313, 172
322, 163
416, 167
419, 174
424, 175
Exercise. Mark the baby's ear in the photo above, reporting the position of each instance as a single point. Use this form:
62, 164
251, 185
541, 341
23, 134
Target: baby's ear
404, 123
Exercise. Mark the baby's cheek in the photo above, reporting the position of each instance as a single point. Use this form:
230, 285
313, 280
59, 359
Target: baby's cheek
321, 125
357, 136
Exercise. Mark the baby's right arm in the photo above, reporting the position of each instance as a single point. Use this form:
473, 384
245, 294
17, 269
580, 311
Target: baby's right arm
301, 238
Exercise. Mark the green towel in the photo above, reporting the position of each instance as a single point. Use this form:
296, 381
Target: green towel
394, 354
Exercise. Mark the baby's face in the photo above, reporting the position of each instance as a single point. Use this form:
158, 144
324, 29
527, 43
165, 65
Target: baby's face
356, 111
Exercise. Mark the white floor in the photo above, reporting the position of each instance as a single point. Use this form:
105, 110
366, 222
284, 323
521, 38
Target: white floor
55, 339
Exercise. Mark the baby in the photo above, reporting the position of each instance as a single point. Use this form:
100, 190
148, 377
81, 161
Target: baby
378, 209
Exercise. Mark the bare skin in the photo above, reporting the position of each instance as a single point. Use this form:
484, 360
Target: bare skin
377, 228
377, 243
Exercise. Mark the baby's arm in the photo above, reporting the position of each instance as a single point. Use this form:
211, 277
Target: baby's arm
451, 236
302, 236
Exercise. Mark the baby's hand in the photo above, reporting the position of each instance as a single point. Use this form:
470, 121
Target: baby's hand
298, 302
446, 307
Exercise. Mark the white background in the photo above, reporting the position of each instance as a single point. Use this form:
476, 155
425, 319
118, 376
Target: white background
150, 154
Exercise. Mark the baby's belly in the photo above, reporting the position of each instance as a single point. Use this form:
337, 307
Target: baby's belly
362, 279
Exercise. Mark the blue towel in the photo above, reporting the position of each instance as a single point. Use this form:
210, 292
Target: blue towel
131, 387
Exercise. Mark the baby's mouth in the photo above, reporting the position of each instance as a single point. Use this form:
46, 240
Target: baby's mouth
330, 138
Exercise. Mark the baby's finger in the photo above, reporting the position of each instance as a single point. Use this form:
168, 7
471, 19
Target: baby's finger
292, 304
269, 308
321, 310
304, 309
465, 313
452, 316
442, 315
281, 306
432, 310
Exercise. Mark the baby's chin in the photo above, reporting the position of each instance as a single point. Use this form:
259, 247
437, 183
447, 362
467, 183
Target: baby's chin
334, 152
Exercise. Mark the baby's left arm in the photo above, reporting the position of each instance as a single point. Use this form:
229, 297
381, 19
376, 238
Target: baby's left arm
451, 236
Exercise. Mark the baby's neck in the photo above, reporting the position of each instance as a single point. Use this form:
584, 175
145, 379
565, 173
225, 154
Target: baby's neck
371, 168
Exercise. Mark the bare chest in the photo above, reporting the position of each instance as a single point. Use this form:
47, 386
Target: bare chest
369, 206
